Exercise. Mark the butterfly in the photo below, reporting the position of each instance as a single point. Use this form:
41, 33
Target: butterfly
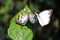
32, 18
23, 19
44, 17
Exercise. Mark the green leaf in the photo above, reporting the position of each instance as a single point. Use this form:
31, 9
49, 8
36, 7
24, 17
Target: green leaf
19, 32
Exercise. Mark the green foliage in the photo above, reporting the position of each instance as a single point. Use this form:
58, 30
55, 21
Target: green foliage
19, 32
7, 6
50, 2
56, 23
34, 7
20, 4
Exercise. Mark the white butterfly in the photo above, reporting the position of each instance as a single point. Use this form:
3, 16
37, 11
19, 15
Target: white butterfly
32, 18
23, 19
44, 17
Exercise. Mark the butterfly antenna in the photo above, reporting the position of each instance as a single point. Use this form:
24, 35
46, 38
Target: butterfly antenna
36, 13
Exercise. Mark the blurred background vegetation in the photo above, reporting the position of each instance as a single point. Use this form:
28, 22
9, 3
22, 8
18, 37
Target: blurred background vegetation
9, 8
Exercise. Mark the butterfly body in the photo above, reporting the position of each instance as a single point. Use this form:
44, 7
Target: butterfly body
32, 18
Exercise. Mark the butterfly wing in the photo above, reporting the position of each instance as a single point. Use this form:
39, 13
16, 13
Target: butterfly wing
44, 17
32, 18
23, 19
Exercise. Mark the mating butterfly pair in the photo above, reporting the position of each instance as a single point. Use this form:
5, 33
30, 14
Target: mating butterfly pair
23, 19
43, 18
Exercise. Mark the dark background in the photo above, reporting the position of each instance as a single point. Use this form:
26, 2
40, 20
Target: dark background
49, 32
